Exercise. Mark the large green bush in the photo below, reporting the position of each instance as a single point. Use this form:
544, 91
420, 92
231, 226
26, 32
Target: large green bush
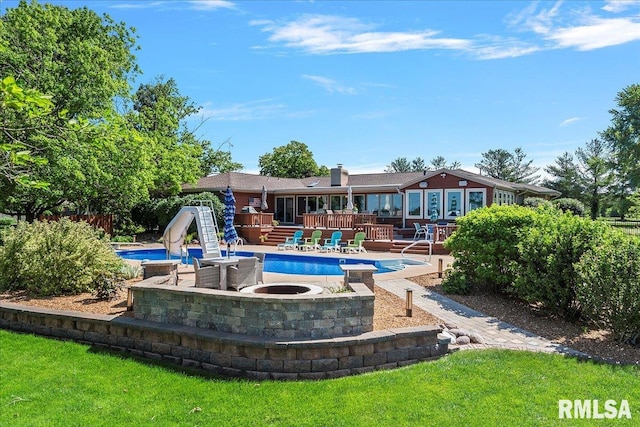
485, 245
157, 213
574, 206
548, 253
609, 286
56, 258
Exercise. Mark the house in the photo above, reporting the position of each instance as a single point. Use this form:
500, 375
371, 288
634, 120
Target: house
397, 199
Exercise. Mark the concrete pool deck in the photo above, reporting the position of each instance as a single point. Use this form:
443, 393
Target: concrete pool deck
495, 332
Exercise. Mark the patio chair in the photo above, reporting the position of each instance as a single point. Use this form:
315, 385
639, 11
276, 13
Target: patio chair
429, 232
293, 241
332, 244
242, 275
311, 243
355, 245
420, 231
260, 256
206, 277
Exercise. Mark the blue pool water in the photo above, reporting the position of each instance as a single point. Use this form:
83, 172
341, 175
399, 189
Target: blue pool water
275, 262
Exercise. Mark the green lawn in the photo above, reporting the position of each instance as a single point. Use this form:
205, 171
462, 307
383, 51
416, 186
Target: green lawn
46, 382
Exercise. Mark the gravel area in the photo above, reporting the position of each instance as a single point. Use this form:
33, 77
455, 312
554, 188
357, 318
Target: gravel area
577, 335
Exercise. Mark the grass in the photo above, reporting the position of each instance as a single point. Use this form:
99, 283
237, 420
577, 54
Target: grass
45, 382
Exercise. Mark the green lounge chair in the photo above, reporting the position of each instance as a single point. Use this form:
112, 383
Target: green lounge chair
313, 242
355, 245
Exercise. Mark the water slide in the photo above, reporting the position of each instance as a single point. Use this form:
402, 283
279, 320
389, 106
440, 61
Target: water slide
174, 234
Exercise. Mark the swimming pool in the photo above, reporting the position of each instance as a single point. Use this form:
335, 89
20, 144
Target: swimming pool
279, 263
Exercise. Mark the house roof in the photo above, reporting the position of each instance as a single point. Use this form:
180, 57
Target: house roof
488, 181
245, 182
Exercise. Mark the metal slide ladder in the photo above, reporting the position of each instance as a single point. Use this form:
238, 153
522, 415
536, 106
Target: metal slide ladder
208, 231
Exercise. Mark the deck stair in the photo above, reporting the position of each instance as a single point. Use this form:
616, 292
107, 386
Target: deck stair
279, 235
421, 248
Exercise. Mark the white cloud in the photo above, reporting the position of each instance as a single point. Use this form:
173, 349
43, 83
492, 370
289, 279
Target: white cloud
195, 4
212, 4
331, 85
254, 110
579, 29
598, 33
616, 6
572, 120
324, 34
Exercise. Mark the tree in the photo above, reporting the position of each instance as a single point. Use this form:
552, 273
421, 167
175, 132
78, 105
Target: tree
84, 62
293, 160
595, 173
159, 116
564, 177
217, 160
15, 156
440, 162
623, 135
401, 164
512, 167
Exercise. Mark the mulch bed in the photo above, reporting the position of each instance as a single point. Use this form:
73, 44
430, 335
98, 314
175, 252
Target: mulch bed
577, 335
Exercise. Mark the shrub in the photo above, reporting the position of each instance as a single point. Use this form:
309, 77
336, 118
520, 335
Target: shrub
548, 254
574, 206
456, 282
55, 258
157, 213
534, 202
609, 286
485, 244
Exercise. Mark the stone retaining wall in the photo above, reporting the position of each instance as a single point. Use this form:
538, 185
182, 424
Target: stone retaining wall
281, 316
232, 354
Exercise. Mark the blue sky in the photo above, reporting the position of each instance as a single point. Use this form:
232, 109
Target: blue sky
365, 82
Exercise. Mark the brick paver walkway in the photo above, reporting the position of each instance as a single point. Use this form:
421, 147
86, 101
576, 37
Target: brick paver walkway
495, 332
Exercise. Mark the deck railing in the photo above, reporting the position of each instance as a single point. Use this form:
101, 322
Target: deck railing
336, 220
254, 219
376, 231
441, 232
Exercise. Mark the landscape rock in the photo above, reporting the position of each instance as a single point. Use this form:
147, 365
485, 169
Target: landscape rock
447, 335
476, 338
462, 340
459, 332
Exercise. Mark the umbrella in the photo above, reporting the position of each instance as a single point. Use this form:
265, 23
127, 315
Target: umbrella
230, 234
349, 198
263, 204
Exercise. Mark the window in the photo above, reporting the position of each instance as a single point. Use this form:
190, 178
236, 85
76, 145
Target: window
414, 203
476, 199
384, 204
433, 203
454, 204
308, 204
338, 202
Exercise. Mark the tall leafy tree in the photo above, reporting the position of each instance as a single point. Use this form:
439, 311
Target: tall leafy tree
595, 173
159, 114
83, 61
623, 135
513, 167
217, 160
564, 176
25, 106
293, 160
